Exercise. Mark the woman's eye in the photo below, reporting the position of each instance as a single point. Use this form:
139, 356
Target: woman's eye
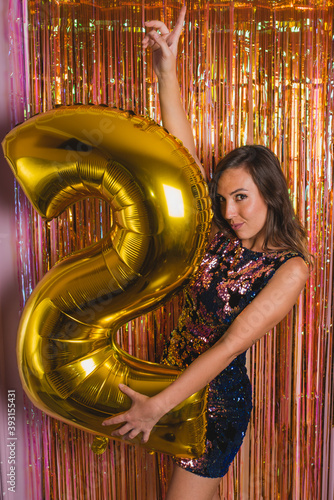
220, 198
240, 197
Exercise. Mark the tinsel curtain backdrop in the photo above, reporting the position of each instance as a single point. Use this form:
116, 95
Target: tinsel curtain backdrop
249, 72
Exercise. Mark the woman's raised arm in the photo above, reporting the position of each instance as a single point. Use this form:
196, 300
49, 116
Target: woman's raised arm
164, 48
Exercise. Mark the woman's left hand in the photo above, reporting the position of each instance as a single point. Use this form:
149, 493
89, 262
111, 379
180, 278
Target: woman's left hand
142, 416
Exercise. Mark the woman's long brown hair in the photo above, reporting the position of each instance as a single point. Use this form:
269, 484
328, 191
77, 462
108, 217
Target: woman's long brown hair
283, 229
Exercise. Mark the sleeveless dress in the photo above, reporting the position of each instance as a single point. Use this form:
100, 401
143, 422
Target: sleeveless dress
228, 279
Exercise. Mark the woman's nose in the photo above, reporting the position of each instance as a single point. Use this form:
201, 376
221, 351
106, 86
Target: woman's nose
230, 210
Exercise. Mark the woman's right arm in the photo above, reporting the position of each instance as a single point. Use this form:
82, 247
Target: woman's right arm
164, 48
265, 311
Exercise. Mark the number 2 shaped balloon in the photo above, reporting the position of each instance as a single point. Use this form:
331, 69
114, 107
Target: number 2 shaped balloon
69, 362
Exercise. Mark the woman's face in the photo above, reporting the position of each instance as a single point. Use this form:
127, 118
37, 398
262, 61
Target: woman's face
243, 206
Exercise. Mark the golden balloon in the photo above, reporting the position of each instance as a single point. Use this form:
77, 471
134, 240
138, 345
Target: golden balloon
69, 361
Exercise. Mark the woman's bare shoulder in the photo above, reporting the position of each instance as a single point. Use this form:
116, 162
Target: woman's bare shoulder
294, 268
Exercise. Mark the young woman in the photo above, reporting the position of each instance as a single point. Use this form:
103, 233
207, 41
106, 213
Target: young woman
249, 279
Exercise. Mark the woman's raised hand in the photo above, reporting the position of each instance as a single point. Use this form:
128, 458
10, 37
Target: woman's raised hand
164, 45
142, 416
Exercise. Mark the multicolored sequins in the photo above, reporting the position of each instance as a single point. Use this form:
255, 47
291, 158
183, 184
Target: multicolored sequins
228, 279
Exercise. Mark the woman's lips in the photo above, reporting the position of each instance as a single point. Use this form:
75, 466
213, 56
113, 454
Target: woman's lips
235, 227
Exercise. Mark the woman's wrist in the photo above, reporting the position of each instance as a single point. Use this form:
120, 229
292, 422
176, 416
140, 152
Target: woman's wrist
168, 79
161, 404
169, 93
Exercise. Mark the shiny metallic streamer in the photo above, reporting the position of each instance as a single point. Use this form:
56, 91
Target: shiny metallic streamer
250, 72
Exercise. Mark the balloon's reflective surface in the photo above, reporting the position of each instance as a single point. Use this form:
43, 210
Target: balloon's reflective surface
69, 362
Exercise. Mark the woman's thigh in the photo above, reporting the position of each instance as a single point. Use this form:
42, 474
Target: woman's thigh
185, 485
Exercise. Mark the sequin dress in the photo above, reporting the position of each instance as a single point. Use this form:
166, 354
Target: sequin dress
228, 279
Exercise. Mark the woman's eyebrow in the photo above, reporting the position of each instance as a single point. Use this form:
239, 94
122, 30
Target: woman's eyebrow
239, 189
233, 192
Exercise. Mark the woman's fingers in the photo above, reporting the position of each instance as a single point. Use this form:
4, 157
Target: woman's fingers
118, 419
159, 43
149, 40
141, 417
128, 391
171, 37
122, 430
126, 431
179, 23
146, 436
158, 25
155, 25
133, 434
